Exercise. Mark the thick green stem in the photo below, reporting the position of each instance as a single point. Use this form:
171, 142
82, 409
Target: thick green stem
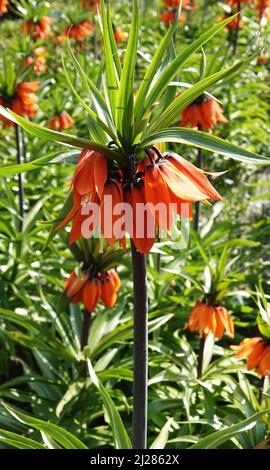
200, 358
20, 178
140, 354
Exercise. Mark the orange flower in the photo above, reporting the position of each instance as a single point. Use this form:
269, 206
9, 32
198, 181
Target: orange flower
234, 23
235, 3
187, 4
90, 290
167, 17
262, 5
39, 60
39, 30
24, 101
203, 113
261, 60
120, 36
257, 353
80, 31
206, 318
90, 4
3, 6
61, 121
161, 186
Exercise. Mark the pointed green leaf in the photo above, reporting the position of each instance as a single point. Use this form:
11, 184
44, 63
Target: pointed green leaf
205, 141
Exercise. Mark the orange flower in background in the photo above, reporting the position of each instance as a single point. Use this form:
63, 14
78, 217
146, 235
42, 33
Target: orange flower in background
234, 23
38, 59
90, 290
61, 121
80, 31
168, 180
187, 4
167, 17
120, 36
206, 318
261, 60
3, 6
262, 5
235, 3
39, 30
257, 353
90, 4
203, 113
24, 101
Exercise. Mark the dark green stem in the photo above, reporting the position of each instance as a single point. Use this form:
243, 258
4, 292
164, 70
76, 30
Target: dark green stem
85, 329
140, 355
235, 42
261, 389
20, 179
200, 358
199, 163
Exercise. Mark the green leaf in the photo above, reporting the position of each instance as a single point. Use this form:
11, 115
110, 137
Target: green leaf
103, 117
151, 71
59, 137
112, 78
125, 101
60, 435
161, 440
18, 441
143, 103
205, 141
120, 436
215, 439
188, 96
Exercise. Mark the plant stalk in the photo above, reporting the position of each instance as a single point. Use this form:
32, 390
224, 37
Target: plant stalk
85, 329
20, 179
261, 389
140, 355
199, 164
200, 358
235, 42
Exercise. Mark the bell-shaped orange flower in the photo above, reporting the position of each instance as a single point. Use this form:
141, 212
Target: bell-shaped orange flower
257, 353
186, 4
90, 4
3, 6
39, 30
162, 185
206, 318
262, 5
120, 36
172, 179
61, 121
203, 113
167, 17
38, 59
24, 101
80, 31
90, 290
234, 23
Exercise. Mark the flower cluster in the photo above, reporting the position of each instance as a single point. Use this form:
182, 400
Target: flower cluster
166, 180
257, 353
23, 102
39, 30
167, 15
38, 59
207, 318
90, 290
203, 113
3, 6
61, 121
